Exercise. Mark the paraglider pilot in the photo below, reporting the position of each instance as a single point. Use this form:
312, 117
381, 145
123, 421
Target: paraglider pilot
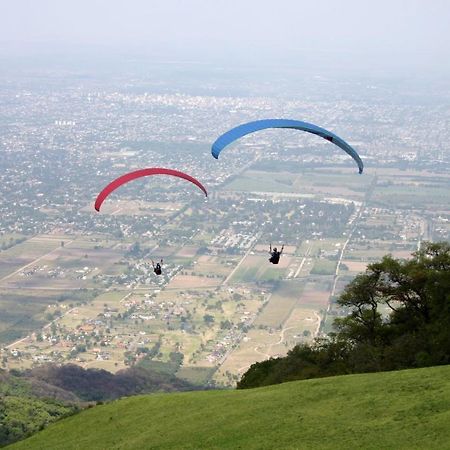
275, 254
157, 268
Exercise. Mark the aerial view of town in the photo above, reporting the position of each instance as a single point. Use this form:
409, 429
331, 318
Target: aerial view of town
77, 286
224, 225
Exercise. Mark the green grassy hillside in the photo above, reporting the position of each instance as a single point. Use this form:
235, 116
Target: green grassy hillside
392, 410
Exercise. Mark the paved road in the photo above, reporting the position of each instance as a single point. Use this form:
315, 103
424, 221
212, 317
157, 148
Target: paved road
307, 253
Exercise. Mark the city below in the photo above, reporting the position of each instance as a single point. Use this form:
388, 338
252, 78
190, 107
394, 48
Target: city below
77, 286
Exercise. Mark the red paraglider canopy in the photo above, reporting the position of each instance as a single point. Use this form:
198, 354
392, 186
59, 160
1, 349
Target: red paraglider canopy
142, 173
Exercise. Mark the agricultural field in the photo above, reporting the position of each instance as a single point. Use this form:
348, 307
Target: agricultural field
24, 310
252, 348
323, 267
255, 268
283, 299
375, 249
256, 181
24, 253
354, 266
93, 299
52, 263
119, 207
99, 332
335, 184
412, 189
291, 314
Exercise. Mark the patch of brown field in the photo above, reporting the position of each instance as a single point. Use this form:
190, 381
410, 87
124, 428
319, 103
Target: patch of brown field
162, 252
314, 297
250, 350
187, 252
109, 365
102, 258
252, 260
210, 265
402, 254
386, 172
47, 238
300, 315
380, 220
205, 259
42, 282
134, 207
355, 266
338, 191
190, 281
276, 311
261, 248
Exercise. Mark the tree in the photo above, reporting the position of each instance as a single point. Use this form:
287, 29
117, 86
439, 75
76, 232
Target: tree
417, 292
225, 325
176, 358
361, 296
208, 319
414, 332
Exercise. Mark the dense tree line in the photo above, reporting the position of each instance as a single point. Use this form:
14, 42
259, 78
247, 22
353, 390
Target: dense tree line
21, 416
101, 385
399, 316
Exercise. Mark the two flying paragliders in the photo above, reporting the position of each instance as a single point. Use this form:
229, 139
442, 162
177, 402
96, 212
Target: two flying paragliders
223, 141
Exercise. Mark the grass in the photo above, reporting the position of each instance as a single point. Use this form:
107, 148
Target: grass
196, 375
257, 268
324, 267
32, 249
403, 196
311, 183
22, 311
260, 181
10, 239
283, 300
403, 410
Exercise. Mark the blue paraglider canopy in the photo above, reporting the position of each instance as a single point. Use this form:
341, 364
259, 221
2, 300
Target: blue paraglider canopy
250, 127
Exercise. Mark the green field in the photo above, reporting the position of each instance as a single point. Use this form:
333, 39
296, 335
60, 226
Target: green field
196, 375
393, 410
255, 268
262, 181
404, 196
311, 183
324, 267
283, 300
15, 322
24, 310
24, 253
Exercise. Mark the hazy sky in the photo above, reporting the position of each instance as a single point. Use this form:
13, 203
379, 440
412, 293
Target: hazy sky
409, 32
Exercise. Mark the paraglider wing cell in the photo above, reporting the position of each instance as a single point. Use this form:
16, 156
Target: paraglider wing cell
250, 127
143, 173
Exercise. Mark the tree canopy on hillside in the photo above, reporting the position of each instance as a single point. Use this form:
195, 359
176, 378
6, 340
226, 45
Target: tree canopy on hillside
399, 316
